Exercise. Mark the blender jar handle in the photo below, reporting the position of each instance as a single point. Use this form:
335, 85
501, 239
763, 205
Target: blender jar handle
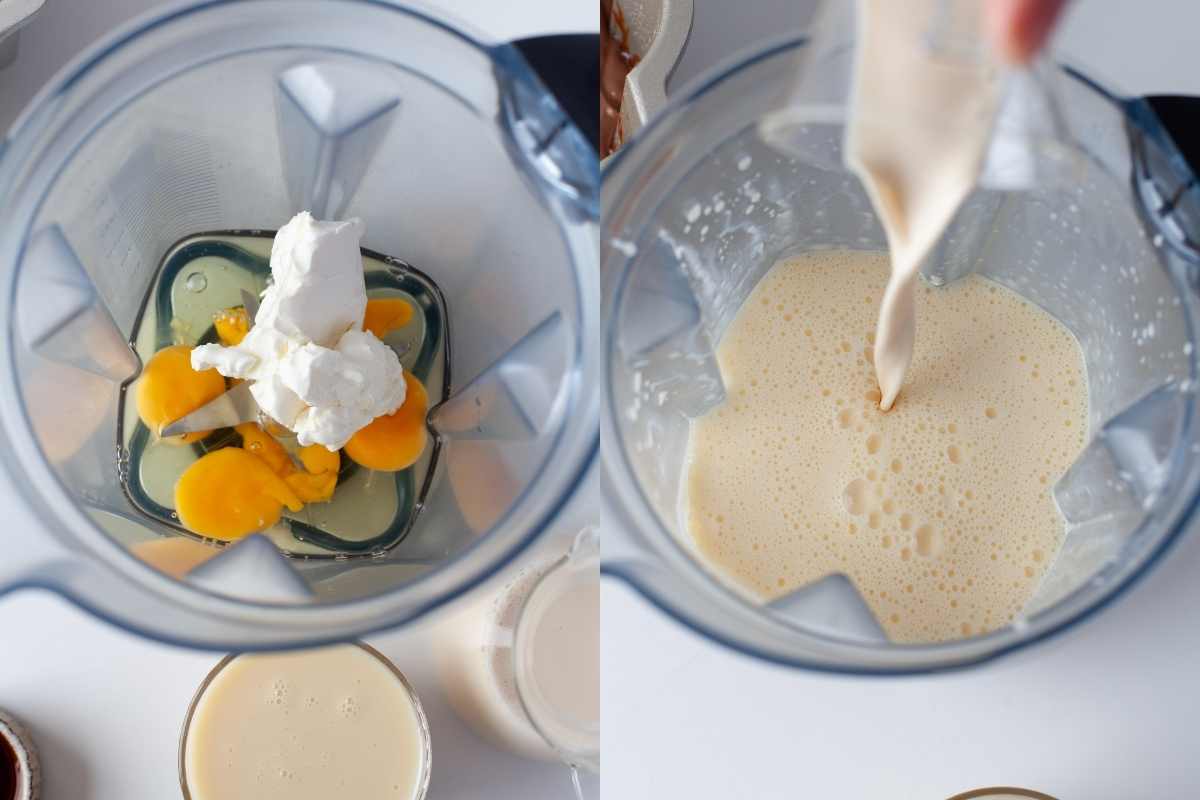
1165, 143
569, 65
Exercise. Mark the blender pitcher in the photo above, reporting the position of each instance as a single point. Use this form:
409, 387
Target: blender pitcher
699, 206
223, 116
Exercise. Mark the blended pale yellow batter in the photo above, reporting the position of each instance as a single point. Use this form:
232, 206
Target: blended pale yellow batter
939, 510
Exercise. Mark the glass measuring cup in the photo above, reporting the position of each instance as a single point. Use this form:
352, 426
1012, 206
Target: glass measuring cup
212, 116
699, 206
494, 656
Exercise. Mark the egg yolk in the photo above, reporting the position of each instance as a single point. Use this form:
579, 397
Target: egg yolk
235, 491
232, 325
169, 389
386, 314
394, 441
312, 488
262, 444
230, 493
319, 478
318, 458
314, 484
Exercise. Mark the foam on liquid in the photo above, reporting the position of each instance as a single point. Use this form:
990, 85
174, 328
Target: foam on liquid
939, 510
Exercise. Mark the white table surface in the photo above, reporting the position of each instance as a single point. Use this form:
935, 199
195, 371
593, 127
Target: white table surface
1106, 712
105, 707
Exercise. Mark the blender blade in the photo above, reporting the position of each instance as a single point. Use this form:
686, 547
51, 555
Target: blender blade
250, 303
232, 408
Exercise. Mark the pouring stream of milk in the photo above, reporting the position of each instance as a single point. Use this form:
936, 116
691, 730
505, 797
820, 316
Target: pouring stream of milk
920, 121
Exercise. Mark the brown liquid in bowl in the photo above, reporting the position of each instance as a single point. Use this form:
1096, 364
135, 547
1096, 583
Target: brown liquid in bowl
8, 771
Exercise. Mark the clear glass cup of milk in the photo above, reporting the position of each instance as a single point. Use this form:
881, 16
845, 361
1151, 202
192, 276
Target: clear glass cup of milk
701, 205
305, 723
521, 664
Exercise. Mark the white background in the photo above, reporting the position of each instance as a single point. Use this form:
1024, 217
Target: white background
105, 707
1108, 712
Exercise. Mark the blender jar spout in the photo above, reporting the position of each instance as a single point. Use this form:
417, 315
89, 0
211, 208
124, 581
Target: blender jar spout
547, 131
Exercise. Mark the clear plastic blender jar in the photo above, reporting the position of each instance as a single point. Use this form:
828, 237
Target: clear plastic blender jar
698, 207
214, 116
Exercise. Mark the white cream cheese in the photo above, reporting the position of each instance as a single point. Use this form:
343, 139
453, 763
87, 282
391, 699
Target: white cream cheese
343, 389
313, 369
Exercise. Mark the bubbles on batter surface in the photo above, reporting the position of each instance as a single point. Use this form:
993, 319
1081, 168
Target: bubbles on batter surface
940, 510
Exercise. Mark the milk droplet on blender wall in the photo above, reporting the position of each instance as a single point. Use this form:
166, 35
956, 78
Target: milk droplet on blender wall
624, 247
